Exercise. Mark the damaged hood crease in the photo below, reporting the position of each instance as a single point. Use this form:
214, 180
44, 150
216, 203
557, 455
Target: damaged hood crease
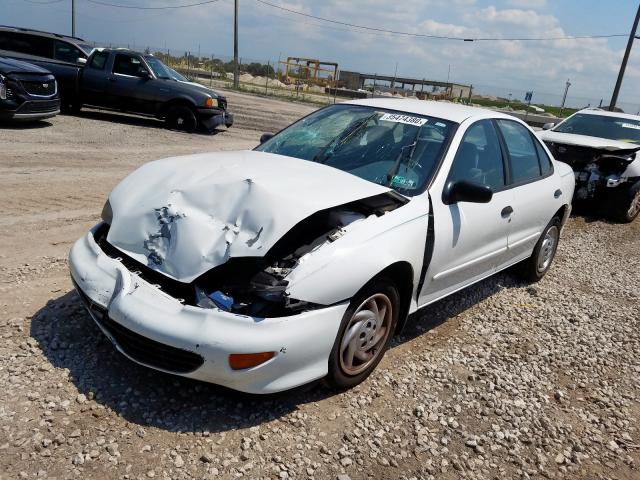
186, 215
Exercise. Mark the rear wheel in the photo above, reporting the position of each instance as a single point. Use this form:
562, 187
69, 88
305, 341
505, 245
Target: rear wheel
365, 333
625, 204
538, 264
181, 117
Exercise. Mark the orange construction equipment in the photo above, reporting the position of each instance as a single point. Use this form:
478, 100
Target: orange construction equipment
309, 70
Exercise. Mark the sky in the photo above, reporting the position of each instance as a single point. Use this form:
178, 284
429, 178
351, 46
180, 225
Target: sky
497, 68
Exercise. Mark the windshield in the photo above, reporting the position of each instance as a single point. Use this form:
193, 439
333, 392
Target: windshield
86, 48
175, 75
159, 69
603, 126
386, 147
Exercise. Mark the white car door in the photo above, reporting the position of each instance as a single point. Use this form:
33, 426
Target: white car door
470, 239
536, 190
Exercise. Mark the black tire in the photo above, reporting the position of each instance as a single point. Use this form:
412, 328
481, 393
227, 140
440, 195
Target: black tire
538, 264
181, 117
624, 205
68, 107
383, 292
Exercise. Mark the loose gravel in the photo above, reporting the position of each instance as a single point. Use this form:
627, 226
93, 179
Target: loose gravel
503, 380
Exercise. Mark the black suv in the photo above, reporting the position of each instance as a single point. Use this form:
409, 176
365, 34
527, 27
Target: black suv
27, 92
61, 55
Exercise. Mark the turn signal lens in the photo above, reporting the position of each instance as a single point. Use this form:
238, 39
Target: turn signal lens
241, 361
210, 102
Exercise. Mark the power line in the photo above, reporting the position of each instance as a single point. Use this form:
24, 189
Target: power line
135, 7
440, 37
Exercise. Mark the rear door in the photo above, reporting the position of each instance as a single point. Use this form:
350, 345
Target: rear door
536, 190
130, 86
95, 77
470, 238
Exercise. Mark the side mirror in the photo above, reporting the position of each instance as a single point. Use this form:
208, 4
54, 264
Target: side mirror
548, 126
266, 136
81, 61
464, 191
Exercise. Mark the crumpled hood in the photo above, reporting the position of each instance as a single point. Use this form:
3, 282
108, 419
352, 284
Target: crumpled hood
183, 216
585, 141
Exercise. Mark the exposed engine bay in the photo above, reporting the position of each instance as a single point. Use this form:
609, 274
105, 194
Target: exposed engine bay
596, 169
257, 286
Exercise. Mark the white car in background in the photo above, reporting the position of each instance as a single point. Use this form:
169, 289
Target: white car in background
264, 270
602, 148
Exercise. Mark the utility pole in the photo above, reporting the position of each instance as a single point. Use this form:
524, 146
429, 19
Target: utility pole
236, 66
73, 18
625, 59
564, 98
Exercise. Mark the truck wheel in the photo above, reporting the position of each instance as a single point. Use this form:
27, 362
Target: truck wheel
181, 117
538, 264
625, 203
365, 333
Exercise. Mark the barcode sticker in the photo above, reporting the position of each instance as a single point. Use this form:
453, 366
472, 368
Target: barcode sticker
408, 119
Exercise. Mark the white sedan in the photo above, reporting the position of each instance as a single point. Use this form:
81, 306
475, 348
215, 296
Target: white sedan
263, 270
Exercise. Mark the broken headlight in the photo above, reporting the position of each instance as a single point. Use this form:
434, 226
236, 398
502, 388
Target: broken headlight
107, 213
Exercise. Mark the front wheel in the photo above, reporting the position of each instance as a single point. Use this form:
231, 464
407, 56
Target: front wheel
625, 204
538, 264
181, 117
365, 333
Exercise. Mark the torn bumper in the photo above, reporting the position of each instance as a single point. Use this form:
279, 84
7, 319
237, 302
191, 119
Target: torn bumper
156, 330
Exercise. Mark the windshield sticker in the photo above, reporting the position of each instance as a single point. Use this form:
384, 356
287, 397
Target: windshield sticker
409, 120
440, 124
403, 182
631, 125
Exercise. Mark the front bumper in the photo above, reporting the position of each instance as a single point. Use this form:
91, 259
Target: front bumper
211, 118
29, 109
138, 312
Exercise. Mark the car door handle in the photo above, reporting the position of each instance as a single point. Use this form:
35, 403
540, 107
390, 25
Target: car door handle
506, 212
557, 193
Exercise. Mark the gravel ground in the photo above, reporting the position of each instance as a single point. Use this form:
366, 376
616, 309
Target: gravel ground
503, 380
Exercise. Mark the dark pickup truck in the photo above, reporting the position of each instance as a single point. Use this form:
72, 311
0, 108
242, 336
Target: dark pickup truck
134, 82
117, 79
27, 92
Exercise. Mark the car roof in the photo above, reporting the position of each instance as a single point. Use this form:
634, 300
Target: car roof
40, 32
607, 113
453, 112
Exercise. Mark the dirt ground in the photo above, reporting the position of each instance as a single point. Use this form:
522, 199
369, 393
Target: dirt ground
502, 380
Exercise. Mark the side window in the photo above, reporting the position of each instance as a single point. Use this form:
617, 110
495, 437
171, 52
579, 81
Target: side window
128, 65
14, 42
66, 52
546, 166
40, 46
479, 158
99, 60
522, 151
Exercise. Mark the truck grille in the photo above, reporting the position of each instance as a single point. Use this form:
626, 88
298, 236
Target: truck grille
222, 103
41, 88
141, 348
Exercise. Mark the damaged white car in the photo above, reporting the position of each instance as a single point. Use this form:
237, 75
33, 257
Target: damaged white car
602, 148
264, 270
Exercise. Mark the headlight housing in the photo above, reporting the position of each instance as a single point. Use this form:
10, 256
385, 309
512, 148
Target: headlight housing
3, 87
211, 102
